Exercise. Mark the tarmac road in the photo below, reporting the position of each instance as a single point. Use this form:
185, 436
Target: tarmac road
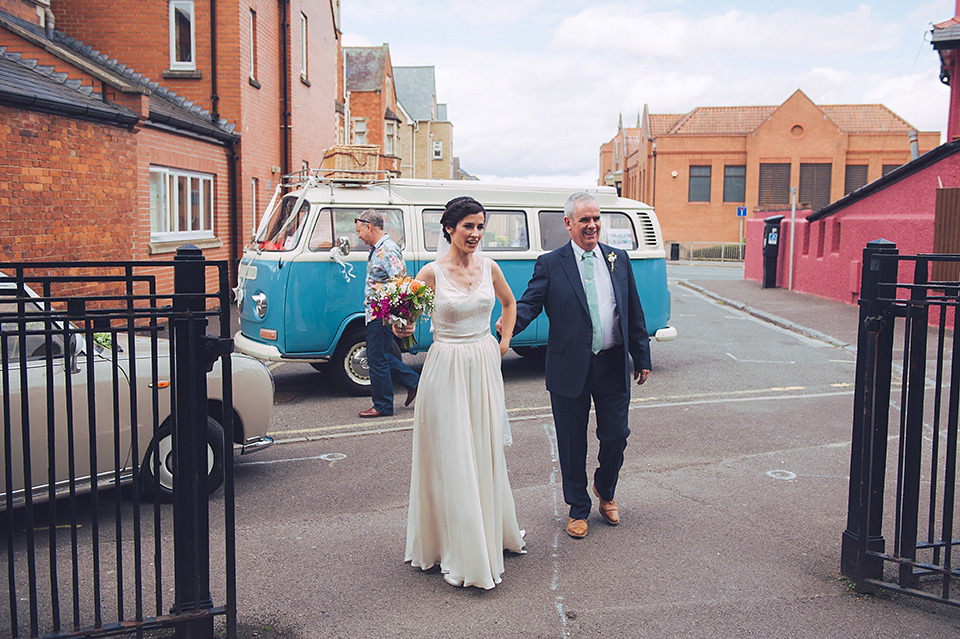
733, 500
733, 497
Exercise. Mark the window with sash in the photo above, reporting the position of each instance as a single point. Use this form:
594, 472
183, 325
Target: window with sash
181, 204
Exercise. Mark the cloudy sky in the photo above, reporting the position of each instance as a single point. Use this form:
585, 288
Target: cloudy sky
534, 87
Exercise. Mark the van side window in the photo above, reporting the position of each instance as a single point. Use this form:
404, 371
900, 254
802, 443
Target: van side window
553, 232
616, 229
322, 237
504, 230
340, 222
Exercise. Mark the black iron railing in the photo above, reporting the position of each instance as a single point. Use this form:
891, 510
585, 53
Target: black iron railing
101, 368
902, 307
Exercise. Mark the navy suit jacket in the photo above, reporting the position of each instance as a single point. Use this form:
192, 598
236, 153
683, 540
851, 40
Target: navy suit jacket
556, 288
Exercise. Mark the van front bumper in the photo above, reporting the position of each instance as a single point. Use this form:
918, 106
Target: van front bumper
667, 334
268, 352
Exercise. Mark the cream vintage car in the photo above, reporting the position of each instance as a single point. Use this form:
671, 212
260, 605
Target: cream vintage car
57, 371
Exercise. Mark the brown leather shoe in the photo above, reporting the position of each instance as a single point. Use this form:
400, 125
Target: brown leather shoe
371, 412
577, 527
608, 509
411, 395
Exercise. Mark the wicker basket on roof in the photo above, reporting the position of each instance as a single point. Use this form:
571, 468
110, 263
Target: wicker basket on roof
351, 162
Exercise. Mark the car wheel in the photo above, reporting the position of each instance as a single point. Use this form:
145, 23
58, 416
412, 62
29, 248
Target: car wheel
161, 485
349, 363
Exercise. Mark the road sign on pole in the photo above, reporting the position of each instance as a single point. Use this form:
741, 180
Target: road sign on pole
741, 211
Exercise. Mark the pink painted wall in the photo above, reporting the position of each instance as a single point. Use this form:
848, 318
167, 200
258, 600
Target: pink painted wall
828, 252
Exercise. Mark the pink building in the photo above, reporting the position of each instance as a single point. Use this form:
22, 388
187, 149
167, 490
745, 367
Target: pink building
913, 206
899, 207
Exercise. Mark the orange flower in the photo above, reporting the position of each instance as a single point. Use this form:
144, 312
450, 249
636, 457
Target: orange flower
414, 286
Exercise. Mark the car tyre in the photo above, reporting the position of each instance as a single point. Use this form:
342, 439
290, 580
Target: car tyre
349, 362
162, 485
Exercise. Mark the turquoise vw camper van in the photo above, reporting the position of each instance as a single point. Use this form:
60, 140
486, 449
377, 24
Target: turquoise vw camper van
300, 288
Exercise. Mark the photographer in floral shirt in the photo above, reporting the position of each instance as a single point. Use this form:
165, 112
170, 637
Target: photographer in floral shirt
384, 262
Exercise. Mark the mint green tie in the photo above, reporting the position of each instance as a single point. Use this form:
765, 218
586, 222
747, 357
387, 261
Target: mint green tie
593, 301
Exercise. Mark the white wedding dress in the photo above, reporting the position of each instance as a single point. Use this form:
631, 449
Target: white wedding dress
461, 513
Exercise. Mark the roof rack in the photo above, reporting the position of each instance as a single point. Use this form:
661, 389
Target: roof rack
345, 177
306, 178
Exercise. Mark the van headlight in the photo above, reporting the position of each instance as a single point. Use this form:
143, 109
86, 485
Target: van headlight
260, 299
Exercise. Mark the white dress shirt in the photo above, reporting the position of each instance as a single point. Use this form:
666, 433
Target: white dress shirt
609, 326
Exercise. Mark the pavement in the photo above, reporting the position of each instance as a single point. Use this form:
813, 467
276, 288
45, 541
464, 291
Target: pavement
827, 320
721, 550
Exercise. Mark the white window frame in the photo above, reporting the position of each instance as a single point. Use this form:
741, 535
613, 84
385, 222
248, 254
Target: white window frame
180, 65
253, 44
168, 220
303, 47
389, 137
358, 126
438, 149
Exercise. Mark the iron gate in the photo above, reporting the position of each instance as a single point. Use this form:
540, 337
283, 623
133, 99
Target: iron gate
100, 370
904, 307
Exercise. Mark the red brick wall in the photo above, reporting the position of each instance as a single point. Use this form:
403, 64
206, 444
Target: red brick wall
313, 107
67, 189
139, 38
138, 35
21, 9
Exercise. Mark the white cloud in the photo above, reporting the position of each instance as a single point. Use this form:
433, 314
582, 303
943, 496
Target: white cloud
625, 29
534, 88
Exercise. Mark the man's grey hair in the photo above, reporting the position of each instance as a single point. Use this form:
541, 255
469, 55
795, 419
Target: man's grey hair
570, 206
372, 217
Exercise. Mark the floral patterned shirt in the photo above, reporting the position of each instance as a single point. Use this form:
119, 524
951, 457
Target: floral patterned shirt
385, 262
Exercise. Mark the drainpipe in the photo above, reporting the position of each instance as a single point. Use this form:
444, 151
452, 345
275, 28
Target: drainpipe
285, 84
654, 194
214, 98
793, 234
236, 250
914, 144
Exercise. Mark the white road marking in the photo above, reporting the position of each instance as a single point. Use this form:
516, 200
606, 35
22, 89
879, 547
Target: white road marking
759, 361
330, 457
548, 428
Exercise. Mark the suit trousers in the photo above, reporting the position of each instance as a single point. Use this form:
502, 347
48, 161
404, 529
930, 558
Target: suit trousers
609, 389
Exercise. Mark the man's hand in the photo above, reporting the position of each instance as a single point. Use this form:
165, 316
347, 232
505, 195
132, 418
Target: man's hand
403, 331
641, 376
499, 326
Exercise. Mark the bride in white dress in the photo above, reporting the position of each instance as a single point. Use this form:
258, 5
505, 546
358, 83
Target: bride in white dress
462, 514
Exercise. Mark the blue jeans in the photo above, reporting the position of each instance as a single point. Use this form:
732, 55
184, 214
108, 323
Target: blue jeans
385, 367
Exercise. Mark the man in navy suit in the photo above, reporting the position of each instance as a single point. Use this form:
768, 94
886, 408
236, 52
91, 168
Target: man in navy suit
596, 327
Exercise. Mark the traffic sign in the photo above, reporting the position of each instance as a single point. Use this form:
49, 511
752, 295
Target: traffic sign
741, 211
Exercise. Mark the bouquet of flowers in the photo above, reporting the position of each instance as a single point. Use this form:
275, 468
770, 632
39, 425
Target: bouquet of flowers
400, 301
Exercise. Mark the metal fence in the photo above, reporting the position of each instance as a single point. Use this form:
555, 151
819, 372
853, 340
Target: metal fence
901, 531
104, 395
706, 251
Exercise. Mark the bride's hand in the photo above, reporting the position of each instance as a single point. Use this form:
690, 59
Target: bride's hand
504, 347
403, 331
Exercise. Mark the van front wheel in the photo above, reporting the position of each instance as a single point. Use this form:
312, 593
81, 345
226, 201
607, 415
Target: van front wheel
349, 362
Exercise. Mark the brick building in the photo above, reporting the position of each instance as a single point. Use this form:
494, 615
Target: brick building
426, 134
79, 135
371, 102
916, 206
227, 101
697, 168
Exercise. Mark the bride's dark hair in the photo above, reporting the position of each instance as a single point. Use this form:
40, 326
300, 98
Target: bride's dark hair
457, 209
